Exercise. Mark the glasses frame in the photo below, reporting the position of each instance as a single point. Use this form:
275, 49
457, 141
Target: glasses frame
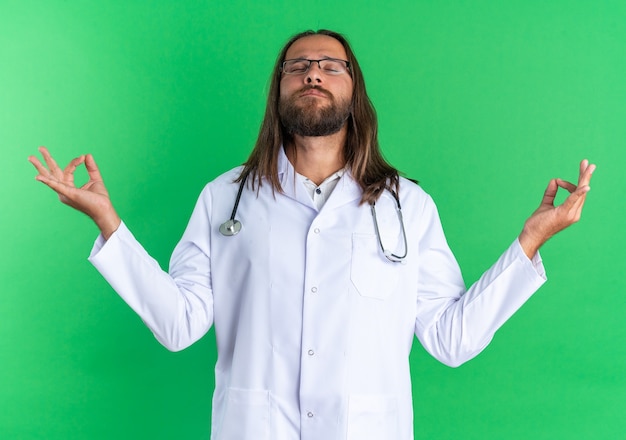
346, 62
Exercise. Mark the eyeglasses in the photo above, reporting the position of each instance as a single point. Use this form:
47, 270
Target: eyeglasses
300, 66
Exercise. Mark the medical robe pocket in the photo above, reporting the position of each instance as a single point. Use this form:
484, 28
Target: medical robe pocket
371, 273
372, 417
247, 415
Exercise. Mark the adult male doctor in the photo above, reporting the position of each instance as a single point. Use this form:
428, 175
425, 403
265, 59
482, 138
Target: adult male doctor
316, 298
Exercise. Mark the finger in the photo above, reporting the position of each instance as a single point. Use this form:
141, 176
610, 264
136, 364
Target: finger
92, 168
68, 172
576, 199
38, 165
52, 165
74, 163
586, 171
590, 170
550, 193
56, 185
585, 178
576, 208
566, 185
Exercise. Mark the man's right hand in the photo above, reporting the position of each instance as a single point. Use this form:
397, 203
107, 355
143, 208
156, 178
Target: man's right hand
92, 198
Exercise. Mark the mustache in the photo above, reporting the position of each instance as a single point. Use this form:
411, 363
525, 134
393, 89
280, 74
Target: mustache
314, 87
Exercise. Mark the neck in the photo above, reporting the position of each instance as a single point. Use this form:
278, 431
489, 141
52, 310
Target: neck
317, 157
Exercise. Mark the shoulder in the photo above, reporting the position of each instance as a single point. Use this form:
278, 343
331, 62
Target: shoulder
415, 199
410, 190
227, 178
223, 181
221, 189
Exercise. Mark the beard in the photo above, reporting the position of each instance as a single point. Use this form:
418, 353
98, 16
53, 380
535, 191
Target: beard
300, 119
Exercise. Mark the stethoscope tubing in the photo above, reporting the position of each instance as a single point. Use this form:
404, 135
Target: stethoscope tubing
232, 226
388, 254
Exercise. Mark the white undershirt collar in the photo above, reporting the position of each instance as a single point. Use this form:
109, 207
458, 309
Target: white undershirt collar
320, 193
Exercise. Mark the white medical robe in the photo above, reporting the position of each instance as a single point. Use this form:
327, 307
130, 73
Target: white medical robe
313, 324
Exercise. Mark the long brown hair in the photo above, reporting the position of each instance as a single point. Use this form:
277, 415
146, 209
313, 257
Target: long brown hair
361, 153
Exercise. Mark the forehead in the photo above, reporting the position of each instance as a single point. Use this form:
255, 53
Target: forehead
316, 46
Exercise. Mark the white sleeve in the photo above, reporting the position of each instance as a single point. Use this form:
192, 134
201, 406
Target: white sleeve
455, 324
177, 307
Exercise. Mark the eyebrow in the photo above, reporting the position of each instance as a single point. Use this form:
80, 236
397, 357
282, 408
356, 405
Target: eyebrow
323, 57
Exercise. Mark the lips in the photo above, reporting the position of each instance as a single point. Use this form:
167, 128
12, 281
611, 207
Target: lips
315, 91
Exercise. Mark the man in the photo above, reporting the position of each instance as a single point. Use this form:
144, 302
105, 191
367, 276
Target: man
316, 297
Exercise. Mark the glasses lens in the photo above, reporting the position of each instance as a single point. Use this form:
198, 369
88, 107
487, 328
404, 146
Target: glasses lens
334, 67
330, 66
296, 66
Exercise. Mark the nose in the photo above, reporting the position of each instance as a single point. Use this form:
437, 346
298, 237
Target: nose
314, 74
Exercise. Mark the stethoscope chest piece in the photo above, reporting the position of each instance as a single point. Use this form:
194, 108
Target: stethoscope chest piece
230, 227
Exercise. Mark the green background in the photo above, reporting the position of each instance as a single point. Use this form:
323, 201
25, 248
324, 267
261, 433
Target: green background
483, 101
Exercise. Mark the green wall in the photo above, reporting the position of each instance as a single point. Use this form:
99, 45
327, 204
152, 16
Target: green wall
483, 101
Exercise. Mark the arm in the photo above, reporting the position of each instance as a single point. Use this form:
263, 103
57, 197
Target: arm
177, 307
91, 199
548, 219
455, 324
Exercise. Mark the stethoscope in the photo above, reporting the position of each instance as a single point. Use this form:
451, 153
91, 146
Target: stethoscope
232, 226
388, 254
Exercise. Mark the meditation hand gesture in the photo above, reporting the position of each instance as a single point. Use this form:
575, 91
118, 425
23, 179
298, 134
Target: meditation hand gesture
548, 219
92, 198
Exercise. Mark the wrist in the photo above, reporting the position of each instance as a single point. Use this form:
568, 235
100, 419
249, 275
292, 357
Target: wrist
108, 223
529, 242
